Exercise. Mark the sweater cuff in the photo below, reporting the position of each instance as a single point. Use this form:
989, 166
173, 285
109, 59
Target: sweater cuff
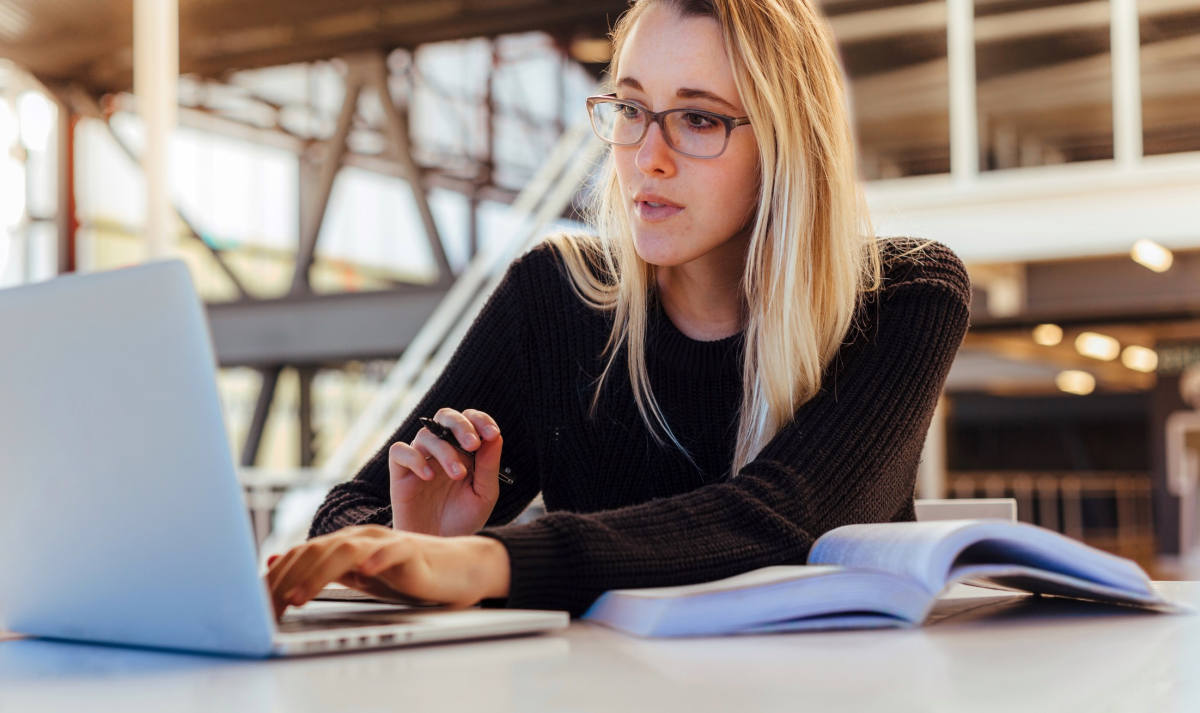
540, 576
359, 515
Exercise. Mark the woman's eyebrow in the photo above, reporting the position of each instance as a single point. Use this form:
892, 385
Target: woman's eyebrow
683, 93
686, 93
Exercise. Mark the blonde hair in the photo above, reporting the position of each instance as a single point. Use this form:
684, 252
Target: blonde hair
811, 249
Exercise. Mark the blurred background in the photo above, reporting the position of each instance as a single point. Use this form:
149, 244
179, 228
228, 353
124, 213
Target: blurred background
348, 179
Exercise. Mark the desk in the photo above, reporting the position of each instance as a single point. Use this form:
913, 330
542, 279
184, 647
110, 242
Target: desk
982, 653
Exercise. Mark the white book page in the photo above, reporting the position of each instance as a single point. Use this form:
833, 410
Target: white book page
926, 551
1028, 579
891, 547
746, 580
832, 622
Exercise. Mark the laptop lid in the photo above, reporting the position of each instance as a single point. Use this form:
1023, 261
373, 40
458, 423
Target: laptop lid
121, 517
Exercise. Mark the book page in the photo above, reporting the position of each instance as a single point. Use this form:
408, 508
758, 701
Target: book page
831, 622
1028, 579
769, 599
927, 551
746, 580
908, 549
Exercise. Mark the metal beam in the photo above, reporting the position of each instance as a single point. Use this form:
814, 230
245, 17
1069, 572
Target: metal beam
262, 410
330, 163
396, 128
307, 435
432, 175
66, 218
320, 329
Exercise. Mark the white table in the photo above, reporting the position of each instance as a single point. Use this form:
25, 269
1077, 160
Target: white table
982, 653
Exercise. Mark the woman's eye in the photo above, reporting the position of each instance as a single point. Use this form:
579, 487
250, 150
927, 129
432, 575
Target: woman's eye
698, 122
628, 111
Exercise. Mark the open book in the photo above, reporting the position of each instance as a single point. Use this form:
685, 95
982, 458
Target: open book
881, 575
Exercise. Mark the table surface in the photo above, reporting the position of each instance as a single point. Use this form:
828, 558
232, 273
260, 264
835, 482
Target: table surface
981, 652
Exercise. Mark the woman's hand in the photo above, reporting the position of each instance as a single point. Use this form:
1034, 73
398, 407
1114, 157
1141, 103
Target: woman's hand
458, 571
437, 490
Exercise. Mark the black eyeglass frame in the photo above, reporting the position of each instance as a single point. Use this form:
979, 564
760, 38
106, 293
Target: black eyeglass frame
729, 122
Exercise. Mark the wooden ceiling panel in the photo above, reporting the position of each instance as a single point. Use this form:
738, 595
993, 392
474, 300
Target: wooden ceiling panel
89, 42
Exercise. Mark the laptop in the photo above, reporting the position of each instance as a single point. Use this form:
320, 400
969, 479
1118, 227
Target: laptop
121, 517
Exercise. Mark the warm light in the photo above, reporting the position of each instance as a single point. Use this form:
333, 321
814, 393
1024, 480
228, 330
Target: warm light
1140, 358
1047, 335
591, 50
1097, 346
1148, 253
37, 120
1075, 382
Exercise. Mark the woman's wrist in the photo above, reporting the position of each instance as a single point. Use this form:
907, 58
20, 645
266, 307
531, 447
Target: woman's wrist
495, 568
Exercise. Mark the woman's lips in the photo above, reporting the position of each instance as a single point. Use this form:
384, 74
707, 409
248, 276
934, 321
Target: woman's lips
652, 211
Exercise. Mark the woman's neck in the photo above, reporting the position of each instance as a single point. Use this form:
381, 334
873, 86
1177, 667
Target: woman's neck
702, 298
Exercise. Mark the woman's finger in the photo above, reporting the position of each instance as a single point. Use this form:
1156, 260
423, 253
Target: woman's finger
343, 557
463, 429
451, 460
301, 567
403, 456
294, 566
284, 568
487, 465
276, 571
484, 424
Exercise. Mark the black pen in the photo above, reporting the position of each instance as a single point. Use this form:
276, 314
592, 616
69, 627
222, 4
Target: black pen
447, 435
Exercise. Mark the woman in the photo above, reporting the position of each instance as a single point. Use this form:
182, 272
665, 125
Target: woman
732, 368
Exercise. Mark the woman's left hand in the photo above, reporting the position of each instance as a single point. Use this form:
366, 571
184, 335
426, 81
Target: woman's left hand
458, 571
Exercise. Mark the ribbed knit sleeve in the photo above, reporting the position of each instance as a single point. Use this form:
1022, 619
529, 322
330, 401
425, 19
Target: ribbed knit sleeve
488, 372
850, 455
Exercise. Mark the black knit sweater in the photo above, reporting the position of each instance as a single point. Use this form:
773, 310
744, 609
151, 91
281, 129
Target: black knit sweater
625, 512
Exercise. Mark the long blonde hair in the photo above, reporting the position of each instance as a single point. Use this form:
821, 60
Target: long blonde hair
811, 251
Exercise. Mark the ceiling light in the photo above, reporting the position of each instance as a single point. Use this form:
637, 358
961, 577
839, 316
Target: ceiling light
1097, 346
1151, 255
1047, 335
1075, 382
1140, 358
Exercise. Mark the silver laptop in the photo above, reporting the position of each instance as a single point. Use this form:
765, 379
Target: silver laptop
121, 516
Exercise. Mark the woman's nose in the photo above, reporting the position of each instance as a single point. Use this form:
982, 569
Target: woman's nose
654, 156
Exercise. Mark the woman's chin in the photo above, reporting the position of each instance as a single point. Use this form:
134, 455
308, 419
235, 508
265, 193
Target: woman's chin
658, 250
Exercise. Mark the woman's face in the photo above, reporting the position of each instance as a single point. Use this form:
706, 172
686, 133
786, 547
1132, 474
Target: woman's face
668, 62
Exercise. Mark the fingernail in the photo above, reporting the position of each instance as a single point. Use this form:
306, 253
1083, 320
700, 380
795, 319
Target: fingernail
458, 469
428, 472
490, 431
271, 560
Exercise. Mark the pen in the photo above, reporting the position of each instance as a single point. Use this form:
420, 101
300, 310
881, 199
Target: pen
447, 435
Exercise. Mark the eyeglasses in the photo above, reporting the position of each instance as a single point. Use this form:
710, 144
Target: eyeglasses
691, 132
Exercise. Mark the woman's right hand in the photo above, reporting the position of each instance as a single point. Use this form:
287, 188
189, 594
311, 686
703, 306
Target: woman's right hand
438, 491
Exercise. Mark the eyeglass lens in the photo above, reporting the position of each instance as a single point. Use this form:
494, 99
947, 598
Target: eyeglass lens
691, 132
